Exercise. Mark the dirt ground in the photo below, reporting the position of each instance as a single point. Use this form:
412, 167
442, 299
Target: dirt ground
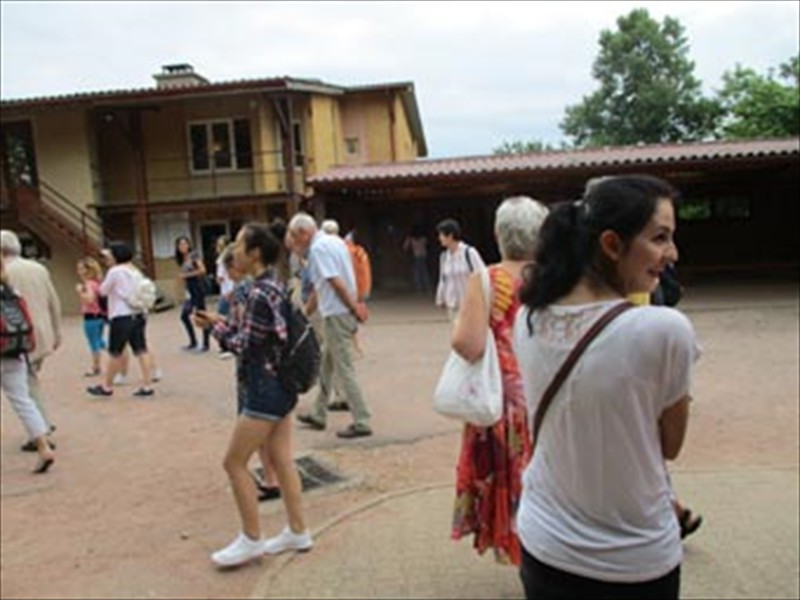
137, 499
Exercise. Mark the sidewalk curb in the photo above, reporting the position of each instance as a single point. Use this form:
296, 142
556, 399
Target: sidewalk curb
260, 588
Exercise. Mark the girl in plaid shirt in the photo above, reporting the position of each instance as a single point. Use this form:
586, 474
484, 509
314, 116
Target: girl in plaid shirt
267, 483
258, 340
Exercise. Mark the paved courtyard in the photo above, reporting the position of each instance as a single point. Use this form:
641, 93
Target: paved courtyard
137, 498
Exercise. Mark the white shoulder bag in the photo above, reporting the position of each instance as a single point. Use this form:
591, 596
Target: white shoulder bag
472, 392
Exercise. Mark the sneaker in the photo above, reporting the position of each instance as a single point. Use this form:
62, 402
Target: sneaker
225, 355
200, 349
239, 551
157, 375
311, 422
354, 431
120, 379
190, 348
143, 392
99, 390
287, 540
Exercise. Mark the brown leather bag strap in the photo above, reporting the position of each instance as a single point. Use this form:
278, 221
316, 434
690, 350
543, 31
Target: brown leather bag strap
573, 357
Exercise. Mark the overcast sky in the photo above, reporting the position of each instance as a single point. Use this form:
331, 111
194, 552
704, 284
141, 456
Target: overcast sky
484, 72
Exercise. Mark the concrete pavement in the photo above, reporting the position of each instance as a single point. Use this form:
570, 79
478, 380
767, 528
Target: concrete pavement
137, 499
398, 546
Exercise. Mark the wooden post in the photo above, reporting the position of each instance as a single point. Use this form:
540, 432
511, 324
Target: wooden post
142, 209
283, 108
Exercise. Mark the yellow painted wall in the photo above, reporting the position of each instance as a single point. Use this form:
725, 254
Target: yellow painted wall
324, 131
265, 150
404, 141
61, 265
167, 279
366, 117
354, 126
378, 143
63, 157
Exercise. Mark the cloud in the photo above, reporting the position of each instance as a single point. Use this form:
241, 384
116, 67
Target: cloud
484, 71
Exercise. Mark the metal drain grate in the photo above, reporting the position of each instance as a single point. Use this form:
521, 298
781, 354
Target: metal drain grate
313, 474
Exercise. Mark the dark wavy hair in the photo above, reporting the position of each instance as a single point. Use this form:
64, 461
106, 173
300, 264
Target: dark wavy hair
179, 258
263, 238
569, 241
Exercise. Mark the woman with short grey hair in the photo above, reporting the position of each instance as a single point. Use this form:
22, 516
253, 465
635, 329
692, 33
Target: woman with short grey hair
516, 227
490, 465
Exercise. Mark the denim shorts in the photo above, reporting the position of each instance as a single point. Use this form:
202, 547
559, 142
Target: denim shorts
260, 395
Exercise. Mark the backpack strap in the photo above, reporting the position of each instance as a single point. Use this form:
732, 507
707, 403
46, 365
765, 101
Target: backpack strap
572, 359
467, 248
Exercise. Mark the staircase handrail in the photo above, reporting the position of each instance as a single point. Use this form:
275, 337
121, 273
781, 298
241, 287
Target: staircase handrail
90, 226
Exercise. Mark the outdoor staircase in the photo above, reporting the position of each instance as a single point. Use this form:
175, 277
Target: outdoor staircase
50, 215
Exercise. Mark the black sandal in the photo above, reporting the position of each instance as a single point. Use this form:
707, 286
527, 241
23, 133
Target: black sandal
689, 525
43, 465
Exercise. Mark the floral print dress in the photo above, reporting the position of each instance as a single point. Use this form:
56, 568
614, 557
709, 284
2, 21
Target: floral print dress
490, 465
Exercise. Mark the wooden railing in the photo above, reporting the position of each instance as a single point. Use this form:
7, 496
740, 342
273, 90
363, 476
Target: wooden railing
47, 211
171, 177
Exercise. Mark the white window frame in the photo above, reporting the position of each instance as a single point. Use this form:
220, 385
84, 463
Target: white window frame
301, 142
208, 124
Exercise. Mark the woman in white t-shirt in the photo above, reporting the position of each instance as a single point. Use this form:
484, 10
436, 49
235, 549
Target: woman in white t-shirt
596, 518
456, 262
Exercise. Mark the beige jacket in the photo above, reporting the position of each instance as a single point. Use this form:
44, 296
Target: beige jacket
32, 281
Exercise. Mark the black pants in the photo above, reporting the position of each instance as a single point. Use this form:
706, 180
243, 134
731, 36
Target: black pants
543, 582
195, 302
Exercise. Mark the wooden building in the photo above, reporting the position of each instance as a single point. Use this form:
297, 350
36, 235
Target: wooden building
739, 212
185, 157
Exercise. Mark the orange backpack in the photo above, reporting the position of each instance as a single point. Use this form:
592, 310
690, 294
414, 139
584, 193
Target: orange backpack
361, 268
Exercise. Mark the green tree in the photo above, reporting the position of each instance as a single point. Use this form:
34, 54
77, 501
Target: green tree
758, 106
647, 93
520, 147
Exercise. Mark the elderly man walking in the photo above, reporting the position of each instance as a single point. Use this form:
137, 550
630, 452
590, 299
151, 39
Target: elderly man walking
331, 270
32, 281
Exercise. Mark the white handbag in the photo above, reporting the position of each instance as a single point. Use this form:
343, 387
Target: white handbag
472, 392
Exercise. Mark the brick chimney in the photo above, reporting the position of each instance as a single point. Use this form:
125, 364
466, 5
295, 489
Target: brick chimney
179, 75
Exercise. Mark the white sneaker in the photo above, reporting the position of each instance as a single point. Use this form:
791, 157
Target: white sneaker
120, 379
287, 540
157, 375
239, 551
225, 355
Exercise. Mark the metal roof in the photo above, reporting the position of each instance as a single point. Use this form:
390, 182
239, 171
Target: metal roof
609, 156
135, 95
